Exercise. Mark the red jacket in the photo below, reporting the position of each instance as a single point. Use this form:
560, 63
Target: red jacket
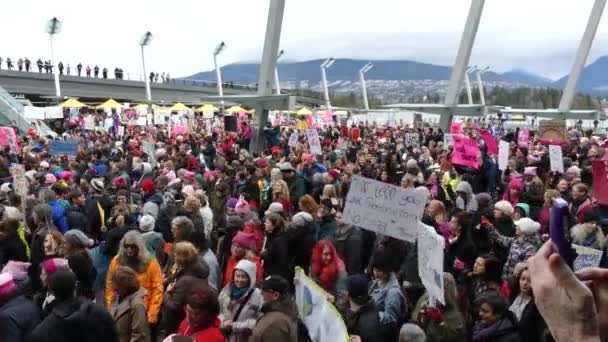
211, 334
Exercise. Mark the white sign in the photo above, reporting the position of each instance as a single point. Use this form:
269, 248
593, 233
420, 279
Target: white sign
121, 131
587, 257
313, 141
430, 261
384, 208
448, 140
141, 121
54, 112
208, 115
89, 122
108, 123
556, 158
503, 155
34, 113
412, 140
293, 139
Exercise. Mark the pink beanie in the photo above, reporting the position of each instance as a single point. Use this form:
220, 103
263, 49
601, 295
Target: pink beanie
242, 207
50, 179
245, 240
53, 265
7, 284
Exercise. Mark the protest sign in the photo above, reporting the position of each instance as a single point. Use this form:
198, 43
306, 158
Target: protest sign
552, 130
320, 317
141, 121
523, 139
491, 146
293, 139
586, 257
466, 151
108, 123
20, 183
89, 122
556, 158
448, 140
329, 116
121, 131
313, 141
600, 181
33, 113
412, 140
208, 115
430, 261
503, 155
179, 129
64, 147
55, 112
456, 128
149, 149
384, 208
8, 138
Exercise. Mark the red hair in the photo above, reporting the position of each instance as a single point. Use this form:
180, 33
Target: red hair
326, 274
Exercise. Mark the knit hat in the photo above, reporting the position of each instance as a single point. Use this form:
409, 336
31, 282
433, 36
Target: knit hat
44, 164
188, 190
7, 284
357, 286
527, 226
524, 207
17, 269
309, 158
411, 164
262, 163
274, 207
101, 170
334, 174
66, 175
97, 184
50, 179
242, 207
150, 208
148, 186
231, 203
6, 187
275, 283
249, 268
147, 223
120, 182
301, 219
286, 166
77, 237
43, 212
51, 266
505, 207
245, 240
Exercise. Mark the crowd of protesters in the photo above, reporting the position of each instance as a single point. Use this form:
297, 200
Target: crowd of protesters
197, 239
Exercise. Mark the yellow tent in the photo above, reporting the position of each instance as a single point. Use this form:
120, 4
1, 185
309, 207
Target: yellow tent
304, 111
73, 103
207, 108
251, 111
179, 107
140, 106
341, 113
235, 109
110, 104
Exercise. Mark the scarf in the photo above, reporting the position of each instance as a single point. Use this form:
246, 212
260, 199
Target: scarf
237, 292
484, 330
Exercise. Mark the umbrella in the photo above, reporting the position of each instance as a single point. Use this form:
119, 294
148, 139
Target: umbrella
110, 104
73, 103
235, 109
207, 108
304, 111
179, 107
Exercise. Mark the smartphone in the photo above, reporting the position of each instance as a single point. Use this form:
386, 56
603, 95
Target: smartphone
558, 227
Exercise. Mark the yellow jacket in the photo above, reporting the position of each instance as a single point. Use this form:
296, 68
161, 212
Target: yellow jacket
151, 280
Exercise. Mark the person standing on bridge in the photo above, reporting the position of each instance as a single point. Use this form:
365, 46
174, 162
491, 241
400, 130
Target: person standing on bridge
156, 77
167, 77
96, 71
104, 72
79, 68
9, 64
88, 71
47, 67
67, 69
20, 64
39, 63
27, 64
151, 77
60, 66
1, 63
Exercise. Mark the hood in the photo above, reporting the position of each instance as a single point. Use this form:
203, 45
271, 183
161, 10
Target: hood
588, 235
249, 268
465, 187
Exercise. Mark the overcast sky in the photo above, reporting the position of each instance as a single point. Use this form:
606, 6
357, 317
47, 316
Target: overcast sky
540, 36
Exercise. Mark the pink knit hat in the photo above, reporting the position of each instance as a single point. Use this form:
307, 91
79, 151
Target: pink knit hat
53, 265
50, 179
242, 207
7, 284
245, 240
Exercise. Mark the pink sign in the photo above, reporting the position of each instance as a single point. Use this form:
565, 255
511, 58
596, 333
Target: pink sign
9, 138
523, 139
329, 116
179, 129
466, 151
456, 128
309, 121
492, 147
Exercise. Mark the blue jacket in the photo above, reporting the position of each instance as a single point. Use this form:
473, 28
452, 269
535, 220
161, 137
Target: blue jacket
390, 302
18, 317
59, 218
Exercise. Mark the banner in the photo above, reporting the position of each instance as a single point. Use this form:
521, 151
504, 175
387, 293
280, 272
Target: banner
412, 140
293, 139
490, 142
430, 261
556, 158
322, 320
54, 112
208, 115
313, 141
329, 117
64, 147
179, 129
8, 138
586, 257
600, 181
466, 152
503, 155
384, 208
523, 139
33, 113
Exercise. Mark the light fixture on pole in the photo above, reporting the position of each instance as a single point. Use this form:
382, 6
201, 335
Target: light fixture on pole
367, 67
218, 75
324, 66
480, 84
467, 83
146, 39
53, 27
277, 85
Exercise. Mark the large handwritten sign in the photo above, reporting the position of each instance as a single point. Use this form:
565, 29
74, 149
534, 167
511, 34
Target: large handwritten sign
313, 141
293, 139
430, 261
587, 257
384, 208
556, 158
503, 155
412, 140
466, 151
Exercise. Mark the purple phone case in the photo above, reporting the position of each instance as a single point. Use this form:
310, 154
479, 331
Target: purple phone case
558, 222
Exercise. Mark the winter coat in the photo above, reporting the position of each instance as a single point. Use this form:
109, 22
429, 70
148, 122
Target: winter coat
131, 319
113, 238
327, 228
151, 280
214, 268
301, 241
12, 249
18, 317
505, 331
278, 323
297, 187
93, 213
520, 249
391, 305
76, 320
59, 218
579, 208
348, 243
532, 326
276, 256
451, 327
588, 235
77, 218
82, 265
463, 249
210, 334
155, 245
365, 323
251, 304
469, 203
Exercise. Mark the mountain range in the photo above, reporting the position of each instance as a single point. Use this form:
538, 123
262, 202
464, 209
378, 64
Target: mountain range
400, 76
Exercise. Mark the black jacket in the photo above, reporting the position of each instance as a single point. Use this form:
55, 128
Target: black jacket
349, 246
12, 249
18, 317
301, 241
365, 323
92, 212
276, 256
85, 271
532, 326
77, 218
76, 320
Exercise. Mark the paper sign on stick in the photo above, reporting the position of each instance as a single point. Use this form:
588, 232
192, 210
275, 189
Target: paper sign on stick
89, 122
503, 155
313, 141
466, 152
384, 208
430, 261
555, 157
293, 139
523, 139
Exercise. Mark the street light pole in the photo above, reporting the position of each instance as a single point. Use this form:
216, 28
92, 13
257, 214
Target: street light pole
367, 67
54, 27
146, 39
218, 74
324, 66
277, 85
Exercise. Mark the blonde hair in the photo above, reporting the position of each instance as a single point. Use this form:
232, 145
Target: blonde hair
308, 204
186, 249
192, 204
329, 192
283, 193
134, 237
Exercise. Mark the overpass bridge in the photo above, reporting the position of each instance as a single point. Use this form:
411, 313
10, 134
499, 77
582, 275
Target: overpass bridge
40, 87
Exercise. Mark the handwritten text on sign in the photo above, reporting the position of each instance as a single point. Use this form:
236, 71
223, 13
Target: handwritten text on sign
556, 158
430, 261
313, 141
384, 208
466, 151
587, 257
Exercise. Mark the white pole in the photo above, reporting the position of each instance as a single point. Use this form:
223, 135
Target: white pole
467, 83
565, 103
146, 78
363, 90
218, 76
55, 71
480, 85
325, 89
276, 81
